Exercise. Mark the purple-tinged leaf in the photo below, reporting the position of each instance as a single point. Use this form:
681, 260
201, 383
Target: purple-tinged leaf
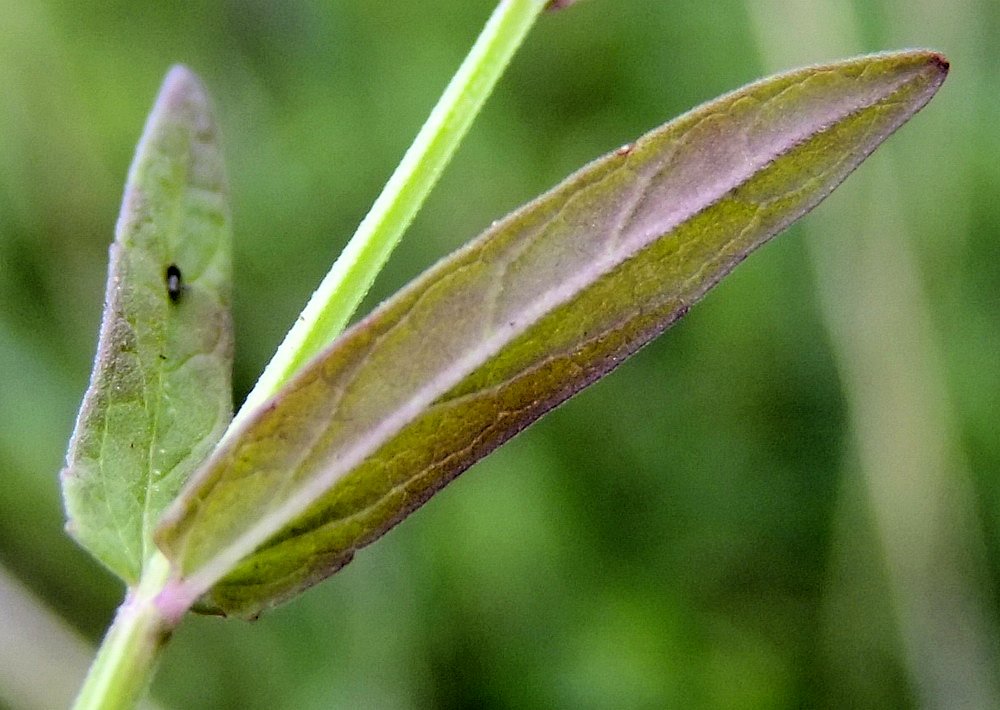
160, 393
543, 304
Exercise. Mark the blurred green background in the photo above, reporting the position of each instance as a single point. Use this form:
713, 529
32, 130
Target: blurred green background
789, 500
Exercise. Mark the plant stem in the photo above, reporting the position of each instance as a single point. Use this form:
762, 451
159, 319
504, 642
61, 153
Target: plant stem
347, 282
127, 659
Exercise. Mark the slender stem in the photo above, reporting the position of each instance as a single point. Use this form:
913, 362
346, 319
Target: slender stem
347, 282
127, 659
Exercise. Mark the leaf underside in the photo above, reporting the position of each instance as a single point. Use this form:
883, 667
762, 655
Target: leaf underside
160, 392
544, 303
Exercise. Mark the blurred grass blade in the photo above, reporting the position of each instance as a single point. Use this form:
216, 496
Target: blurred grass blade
160, 393
543, 304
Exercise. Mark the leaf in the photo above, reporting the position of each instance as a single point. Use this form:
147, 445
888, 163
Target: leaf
160, 393
544, 303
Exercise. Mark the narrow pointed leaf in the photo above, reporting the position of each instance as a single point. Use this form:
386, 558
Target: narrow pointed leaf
543, 304
160, 393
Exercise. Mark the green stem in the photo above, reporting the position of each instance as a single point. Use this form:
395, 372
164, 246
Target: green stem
347, 282
127, 659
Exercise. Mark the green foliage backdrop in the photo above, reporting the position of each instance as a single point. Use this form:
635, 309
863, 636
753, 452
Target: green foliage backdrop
713, 525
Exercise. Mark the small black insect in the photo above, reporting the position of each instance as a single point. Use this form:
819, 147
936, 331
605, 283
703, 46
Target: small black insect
174, 285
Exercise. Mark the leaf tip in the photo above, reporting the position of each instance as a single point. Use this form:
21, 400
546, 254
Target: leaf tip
936, 67
182, 86
940, 61
180, 77
559, 5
